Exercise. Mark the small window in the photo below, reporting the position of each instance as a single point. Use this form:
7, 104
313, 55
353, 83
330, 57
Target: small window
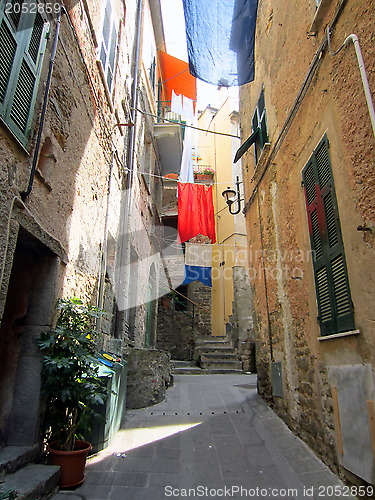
180, 300
108, 45
259, 123
152, 74
23, 37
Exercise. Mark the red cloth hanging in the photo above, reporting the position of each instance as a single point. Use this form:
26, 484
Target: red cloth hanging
195, 211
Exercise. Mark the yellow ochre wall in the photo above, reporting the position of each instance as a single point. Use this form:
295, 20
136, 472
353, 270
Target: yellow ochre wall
217, 151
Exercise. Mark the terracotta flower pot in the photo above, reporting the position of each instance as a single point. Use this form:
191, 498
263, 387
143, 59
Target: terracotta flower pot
72, 463
204, 177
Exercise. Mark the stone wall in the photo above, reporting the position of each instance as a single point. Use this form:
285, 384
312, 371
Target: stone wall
281, 266
149, 376
174, 331
242, 321
177, 331
201, 295
75, 210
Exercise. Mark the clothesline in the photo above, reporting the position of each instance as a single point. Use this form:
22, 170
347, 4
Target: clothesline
175, 180
185, 125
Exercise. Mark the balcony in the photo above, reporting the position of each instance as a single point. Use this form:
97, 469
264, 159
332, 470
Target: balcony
169, 136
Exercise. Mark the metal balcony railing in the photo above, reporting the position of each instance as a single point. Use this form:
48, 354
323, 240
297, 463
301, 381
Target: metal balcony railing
164, 111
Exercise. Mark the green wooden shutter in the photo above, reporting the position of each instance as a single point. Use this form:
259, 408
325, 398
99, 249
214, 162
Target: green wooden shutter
8, 49
331, 276
23, 41
259, 124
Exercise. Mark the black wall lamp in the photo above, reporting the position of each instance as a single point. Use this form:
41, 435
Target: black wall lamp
231, 196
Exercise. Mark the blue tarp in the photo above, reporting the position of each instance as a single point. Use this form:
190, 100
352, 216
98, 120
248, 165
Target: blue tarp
220, 39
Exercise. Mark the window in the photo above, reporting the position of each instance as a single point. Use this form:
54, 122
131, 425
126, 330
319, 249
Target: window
331, 276
108, 45
152, 74
259, 137
180, 300
22, 45
259, 123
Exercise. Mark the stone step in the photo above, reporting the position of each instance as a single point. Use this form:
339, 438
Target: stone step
214, 356
13, 458
213, 349
221, 364
191, 368
185, 368
175, 363
187, 371
207, 371
34, 481
213, 341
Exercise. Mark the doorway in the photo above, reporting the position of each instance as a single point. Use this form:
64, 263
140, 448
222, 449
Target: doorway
28, 311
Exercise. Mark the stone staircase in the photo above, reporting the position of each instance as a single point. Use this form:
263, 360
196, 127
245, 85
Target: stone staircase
213, 355
21, 479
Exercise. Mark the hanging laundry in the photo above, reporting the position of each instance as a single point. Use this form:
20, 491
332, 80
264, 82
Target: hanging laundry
176, 103
198, 263
187, 172
195, 212
176, 77
220, 37
187, 108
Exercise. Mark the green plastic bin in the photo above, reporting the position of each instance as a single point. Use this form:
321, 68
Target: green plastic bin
114, 381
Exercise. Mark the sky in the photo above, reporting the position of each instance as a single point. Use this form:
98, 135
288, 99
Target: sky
174, 30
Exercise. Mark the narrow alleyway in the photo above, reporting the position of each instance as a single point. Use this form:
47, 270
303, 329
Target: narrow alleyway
213, 436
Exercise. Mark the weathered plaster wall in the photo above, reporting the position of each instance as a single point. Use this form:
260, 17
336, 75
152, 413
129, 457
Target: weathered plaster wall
279, 247
77, 202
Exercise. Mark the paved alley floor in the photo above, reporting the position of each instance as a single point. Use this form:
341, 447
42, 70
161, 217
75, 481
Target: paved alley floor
212, 436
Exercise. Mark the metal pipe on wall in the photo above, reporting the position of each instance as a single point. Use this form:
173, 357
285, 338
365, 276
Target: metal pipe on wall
124, 258
25, 194
353, 38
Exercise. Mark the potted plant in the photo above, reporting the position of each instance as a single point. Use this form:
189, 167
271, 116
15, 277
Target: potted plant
205, 173
71, 387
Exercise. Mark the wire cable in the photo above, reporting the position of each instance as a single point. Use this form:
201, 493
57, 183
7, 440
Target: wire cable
190, 126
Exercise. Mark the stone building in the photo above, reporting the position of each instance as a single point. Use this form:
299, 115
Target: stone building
185, 314
309, 194
79, 199
231, 294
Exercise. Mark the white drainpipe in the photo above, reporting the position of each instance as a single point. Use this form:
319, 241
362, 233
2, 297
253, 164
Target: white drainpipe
353, 38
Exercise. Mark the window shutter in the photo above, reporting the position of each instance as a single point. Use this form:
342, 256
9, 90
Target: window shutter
15, 12
8, 47
259, 123
23, 41
331, 276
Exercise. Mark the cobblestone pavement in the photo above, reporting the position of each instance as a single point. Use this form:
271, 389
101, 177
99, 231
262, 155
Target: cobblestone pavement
212, 437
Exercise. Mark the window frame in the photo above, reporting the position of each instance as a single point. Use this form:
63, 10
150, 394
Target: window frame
11, 111
113, 27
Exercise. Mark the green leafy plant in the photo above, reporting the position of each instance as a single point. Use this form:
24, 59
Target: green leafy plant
70, 382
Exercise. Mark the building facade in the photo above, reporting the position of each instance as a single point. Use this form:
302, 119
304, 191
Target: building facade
231, 294
80, 190
309, 206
